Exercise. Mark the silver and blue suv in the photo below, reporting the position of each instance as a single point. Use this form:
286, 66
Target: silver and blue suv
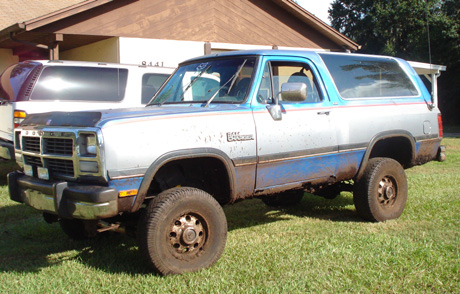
269, 124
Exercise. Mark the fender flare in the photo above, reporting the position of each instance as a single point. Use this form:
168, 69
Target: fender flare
381, 136
178, 155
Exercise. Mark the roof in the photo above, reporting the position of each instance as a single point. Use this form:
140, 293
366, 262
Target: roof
18, 11
19, 16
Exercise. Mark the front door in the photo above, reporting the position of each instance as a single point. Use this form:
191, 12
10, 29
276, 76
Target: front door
302, 146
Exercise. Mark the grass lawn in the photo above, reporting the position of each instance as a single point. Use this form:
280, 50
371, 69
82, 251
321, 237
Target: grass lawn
318, 246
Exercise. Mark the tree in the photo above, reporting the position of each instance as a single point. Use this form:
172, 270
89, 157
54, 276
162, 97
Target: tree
400, 28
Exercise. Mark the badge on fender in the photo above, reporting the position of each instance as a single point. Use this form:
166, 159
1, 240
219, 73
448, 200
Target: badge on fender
235, 136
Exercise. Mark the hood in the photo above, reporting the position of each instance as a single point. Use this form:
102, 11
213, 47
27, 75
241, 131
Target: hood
102, 117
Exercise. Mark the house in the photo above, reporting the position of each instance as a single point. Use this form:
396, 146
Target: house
156, 32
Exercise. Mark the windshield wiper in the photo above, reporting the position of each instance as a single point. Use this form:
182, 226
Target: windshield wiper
186, 88
232, 79
193, 81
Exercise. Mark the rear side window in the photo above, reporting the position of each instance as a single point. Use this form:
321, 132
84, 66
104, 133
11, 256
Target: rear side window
368, 77
81, 83
151, 83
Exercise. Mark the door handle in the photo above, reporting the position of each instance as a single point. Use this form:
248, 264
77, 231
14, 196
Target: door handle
323, 112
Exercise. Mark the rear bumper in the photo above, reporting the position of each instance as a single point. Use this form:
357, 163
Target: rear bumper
6, 150
62, 198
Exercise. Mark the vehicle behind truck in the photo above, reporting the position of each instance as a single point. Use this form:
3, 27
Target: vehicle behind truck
42, 86
269, 124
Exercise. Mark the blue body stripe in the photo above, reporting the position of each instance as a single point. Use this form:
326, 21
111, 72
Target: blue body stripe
308, 168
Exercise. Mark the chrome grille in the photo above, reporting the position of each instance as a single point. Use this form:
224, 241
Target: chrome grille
32, 160
61, 146
31, 144
60, 167
58, 152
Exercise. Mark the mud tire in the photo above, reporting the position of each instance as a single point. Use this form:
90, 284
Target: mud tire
381, 193
183, 230
288, 198
78, 229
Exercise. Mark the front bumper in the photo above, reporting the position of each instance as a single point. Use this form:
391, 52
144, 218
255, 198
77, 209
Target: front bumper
63, 198
6, 150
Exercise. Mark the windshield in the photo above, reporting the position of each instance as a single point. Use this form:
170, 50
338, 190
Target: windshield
220, 80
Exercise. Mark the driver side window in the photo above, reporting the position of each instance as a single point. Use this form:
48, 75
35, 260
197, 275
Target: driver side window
277, 73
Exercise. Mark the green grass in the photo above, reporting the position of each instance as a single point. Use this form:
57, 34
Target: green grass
318, 246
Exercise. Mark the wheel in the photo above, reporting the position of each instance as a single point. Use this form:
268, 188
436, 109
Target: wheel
288, 198
381, 193
183, 230
78, 229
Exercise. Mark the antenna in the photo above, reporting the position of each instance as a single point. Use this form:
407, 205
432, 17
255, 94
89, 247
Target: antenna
430, 106
428, 33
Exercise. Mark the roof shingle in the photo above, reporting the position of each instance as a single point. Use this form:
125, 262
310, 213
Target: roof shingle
18, 11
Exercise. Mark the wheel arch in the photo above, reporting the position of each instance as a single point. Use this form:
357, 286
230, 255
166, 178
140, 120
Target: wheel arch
181, 155
398, 145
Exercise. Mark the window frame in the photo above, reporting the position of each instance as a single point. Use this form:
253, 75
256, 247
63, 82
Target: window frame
294, 62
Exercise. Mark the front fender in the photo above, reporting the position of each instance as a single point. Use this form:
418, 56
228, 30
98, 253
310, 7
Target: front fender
178, 155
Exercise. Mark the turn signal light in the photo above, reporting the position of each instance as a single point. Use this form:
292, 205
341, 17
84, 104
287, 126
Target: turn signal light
127, 193
19, 116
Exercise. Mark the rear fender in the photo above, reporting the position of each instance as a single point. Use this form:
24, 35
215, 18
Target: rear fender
405, 135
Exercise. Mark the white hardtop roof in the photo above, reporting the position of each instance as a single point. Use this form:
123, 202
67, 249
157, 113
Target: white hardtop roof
427, 68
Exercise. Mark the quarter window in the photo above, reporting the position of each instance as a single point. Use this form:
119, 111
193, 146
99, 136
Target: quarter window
358, 76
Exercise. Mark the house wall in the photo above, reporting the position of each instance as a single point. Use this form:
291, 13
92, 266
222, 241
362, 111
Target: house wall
258, 22
154, 52
102, 51
7, 58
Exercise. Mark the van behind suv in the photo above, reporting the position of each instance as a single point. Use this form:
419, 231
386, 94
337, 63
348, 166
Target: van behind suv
42, 86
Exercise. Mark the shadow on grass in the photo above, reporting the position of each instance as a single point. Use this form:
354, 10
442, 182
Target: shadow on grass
254, 212
28, 244
6, 166
31, 245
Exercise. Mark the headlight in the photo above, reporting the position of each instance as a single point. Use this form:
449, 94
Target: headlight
88, 145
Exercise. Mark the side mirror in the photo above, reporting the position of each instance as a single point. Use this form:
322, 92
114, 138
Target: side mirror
294, 92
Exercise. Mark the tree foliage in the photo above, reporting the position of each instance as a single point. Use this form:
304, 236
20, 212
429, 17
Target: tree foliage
403, 28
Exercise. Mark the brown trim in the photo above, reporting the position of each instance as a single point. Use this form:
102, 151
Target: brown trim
207, 48
63, 13
46, 19
318, 24
6, 33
